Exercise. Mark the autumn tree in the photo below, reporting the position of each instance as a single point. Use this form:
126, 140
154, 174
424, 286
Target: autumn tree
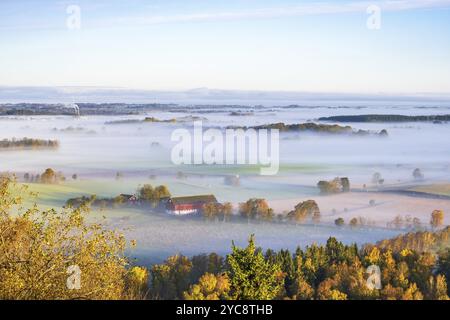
354, 222
49, 176
330, 187
171, 278
337, 185
146, 192
443, 266
437, 288
41, 252
304, 210
161, 192
412, 293
350, 279
437, 218
302, 289
389, 292
227, 210
214, 210
210, 210
299, 288
153, 195
373, 256
256, 208
325, 291
209, 287
137, 282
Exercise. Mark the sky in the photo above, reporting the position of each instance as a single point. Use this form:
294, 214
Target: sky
264, 45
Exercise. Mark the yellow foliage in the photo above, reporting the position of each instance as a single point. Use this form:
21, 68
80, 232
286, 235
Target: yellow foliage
412, 293
437, 218
406, 252
374, 256
56, 255
209, 287
337, 295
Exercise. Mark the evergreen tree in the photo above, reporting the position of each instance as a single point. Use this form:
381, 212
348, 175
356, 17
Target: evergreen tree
251, 276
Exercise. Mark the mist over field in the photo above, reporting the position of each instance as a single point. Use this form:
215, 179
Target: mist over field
97, 148
273, 151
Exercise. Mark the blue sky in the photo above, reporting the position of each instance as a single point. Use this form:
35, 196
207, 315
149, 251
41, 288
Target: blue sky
308, 46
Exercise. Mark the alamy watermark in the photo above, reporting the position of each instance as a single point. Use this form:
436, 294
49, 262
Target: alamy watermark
229, 146
73, 21
73, 281
374, 278
374, 20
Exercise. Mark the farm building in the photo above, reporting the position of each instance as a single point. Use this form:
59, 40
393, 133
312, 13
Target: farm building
188, 205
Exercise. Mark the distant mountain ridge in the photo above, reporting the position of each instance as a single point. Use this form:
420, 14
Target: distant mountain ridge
215, 96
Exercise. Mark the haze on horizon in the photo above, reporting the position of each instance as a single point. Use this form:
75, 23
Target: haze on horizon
288, 46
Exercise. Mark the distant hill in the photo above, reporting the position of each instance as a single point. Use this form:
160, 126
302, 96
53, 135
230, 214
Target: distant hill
315, 128
386, 118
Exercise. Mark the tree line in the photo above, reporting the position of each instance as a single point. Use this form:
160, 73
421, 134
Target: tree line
39, 248
333, 271
386, 118
49, 176
146, 195
28, 143
316, 128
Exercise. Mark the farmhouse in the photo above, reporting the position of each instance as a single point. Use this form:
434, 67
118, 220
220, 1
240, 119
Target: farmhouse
188, 205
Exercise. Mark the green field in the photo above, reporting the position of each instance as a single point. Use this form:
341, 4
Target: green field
438, 189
